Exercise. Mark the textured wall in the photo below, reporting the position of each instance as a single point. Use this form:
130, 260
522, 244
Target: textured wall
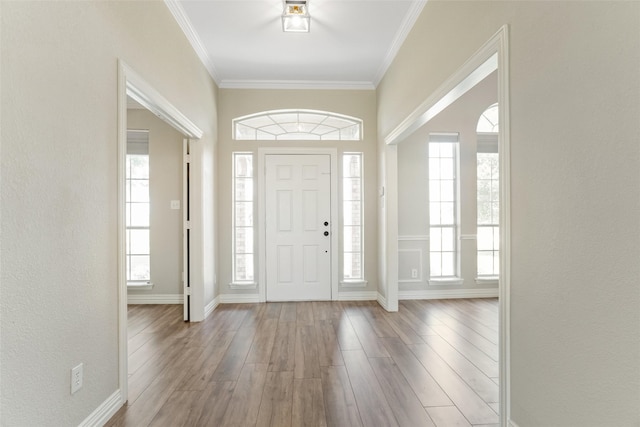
575, 192
59, 190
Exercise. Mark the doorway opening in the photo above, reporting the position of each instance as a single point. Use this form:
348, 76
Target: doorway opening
134, 91
491, 57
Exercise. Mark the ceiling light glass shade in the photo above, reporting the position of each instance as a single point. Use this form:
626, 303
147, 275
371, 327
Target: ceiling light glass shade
295, 17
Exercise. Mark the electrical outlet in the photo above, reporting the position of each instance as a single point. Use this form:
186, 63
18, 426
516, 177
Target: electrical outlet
414, 273
76, 378
175, 204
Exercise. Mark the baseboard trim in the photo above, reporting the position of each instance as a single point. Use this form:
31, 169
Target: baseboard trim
382, 300
211, 306
155, 299
357, 296
512, 424
238, 298
105, 411
448, 293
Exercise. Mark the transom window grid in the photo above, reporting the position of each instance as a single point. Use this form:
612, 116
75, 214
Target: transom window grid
443, 209
489, 120
243, 225
137, 205
488, 240
352, 218
307, 125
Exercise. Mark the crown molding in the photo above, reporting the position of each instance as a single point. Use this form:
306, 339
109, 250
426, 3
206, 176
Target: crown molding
295, 84
407, 24
187, 28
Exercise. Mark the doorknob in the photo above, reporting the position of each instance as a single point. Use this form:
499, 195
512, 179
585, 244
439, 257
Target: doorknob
326, 233
326, 223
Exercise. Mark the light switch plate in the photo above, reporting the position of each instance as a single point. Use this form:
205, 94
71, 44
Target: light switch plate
175, 204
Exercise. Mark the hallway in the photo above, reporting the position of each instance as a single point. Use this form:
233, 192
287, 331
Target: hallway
433, 363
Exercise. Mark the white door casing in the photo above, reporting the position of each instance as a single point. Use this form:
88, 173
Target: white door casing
298, 227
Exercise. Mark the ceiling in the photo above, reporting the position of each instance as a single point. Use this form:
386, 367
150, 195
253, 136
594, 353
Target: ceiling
350, 45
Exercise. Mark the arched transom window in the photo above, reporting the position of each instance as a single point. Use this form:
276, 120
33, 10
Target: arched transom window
309, 125
488, 122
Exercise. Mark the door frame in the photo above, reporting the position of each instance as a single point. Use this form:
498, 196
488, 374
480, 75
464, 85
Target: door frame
261, 220
493, 55
132, 84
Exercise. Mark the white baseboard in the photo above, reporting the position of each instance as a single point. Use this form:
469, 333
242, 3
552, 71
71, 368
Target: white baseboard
105, 411
211, 306
382, 300
238, 298
155, 299
512, 424
357, 296
448, 293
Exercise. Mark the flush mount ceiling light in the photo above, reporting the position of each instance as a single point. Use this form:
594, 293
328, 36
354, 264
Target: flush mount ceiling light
295, 16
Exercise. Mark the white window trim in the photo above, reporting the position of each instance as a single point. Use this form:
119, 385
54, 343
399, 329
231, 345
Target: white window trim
456, 279
241, 284
310, 136
356, 281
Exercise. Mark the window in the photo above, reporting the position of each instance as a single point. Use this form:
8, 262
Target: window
137, 205
243, 241
352, 217
443, 205
488, 182
297, 125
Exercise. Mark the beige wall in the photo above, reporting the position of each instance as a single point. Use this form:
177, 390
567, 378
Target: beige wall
165, 182
575, 192
59, 190
236, 103
413, 185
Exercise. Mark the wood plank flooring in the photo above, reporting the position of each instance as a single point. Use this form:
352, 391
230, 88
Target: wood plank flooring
433, 363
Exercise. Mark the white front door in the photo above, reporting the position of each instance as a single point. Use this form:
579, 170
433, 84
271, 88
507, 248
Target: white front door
298, 229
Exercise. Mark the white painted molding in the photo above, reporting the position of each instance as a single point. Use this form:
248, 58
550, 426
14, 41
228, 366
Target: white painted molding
405, 27
468, 237
414, 238
296, 84
473, 71
208, 309
239, 298
512, 424
187, 28
446, 282
382, 300
155, 299
105, 411
358, 296
448, 294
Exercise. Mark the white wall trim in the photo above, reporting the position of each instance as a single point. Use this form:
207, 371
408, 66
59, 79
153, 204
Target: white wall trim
239, 298
414, 238
296, 84
512, 424
155, 299
261, 222
187, 28
407, 24
382, 300
105, 411
448, 293
354, 283
208, 309
358, 296
236, 285
468, 237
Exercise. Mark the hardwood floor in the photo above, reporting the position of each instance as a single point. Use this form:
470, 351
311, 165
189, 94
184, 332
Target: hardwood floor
433, 363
